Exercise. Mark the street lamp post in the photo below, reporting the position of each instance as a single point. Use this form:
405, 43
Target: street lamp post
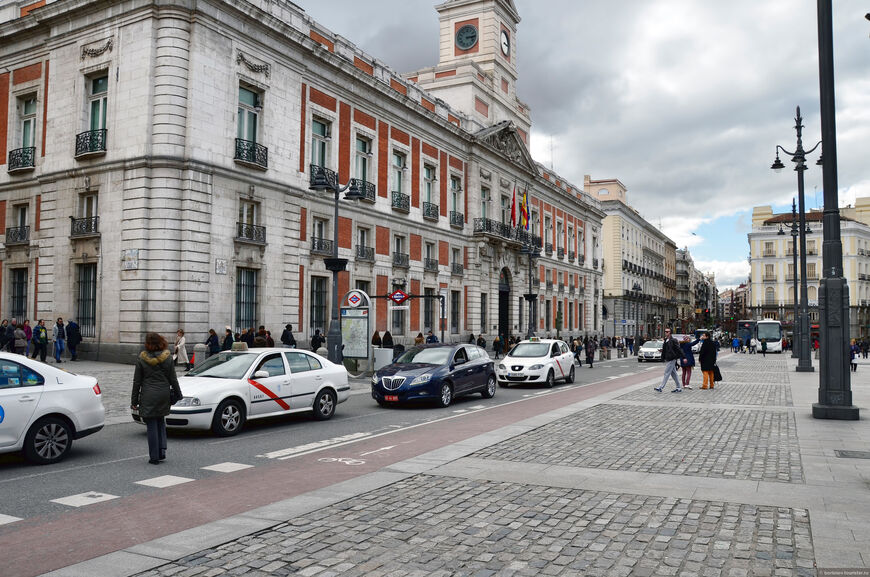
794, 269
533, 253
805, 365
636, 289
323, 179
835, 386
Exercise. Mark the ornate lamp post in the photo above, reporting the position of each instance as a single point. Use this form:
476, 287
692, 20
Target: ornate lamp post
835, 386
324, 179
799, 159
794, 292
638, 293
533, 253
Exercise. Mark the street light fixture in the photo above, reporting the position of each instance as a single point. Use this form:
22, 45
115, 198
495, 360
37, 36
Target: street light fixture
532, 252
798, 157
324, 179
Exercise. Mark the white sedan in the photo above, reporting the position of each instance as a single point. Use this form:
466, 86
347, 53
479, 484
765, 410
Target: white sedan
537, 361
43, 408
232, 387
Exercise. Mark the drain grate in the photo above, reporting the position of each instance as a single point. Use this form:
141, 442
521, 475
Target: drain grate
852, 454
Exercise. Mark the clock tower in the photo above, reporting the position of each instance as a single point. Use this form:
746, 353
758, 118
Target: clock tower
477, 71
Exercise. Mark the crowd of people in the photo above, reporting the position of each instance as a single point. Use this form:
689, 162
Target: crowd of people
33, 341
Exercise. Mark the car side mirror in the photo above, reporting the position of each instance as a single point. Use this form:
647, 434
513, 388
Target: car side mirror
459, 362
261, 375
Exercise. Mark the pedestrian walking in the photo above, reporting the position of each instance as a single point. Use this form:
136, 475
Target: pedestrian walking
3, 326
10, 335
764, 348
153, 379
865, 346
270, 342
671, 353
753, 346
589, 347
227, 344
211, 343
419, 339
20, 340
687, 363
854, 351
317, 340
496, 345
180, 356
248, 337
58, 336
28, 332
73, 338
707, 359
287, 338
40, 340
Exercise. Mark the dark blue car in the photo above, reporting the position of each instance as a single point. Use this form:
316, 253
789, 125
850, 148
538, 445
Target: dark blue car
436, 372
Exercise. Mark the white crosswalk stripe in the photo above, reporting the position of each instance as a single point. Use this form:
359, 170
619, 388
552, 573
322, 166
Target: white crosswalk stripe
164, 481
227, 467
83, 499
5, 519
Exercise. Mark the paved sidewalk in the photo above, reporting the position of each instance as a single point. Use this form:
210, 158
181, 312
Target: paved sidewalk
736, 481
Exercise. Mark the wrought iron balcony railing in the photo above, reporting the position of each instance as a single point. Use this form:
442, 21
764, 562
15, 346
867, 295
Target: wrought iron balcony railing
430, 264
457, 268
457, 219
548, 248
91, 142
770, 278
812, 276
252, 154
430, 211
769, 253
17, 235
812, 251
401, 201
401, 260
561, 288
88, 226
571, 255
365, 253
250, 233
321, 245
22, 159
571, 289
549, 285
595, 263
366, 188
317, 172
560, 253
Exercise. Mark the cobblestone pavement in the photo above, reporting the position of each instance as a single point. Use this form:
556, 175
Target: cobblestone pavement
728, 392
731, 443
436, 526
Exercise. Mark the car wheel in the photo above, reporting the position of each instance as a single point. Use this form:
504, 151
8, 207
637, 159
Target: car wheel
229, 418
446, 395
48, 441
489, 391
570, 378
550, 380
324, 405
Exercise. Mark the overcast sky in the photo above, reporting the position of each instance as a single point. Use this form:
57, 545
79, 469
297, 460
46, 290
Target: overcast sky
682, 100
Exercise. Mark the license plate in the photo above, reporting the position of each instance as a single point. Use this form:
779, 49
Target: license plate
391, 398
515, 375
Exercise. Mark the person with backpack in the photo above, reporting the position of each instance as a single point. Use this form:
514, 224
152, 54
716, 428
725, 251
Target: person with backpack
40, 340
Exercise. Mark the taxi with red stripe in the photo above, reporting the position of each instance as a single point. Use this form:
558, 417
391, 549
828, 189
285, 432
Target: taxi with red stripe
232, 387
536, 361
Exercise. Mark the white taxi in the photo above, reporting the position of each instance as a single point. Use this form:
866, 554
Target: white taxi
43, 408
232, 387
536, 361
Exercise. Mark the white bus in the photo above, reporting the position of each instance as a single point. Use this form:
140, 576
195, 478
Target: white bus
771, 331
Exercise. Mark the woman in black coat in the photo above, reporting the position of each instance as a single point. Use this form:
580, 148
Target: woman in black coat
152, 380
707, 359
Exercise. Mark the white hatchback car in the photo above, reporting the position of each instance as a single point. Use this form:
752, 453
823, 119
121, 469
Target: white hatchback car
43, 408
536, 361
650, 351
232, 387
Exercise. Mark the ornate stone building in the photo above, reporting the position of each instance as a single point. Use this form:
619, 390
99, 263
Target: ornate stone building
159, 153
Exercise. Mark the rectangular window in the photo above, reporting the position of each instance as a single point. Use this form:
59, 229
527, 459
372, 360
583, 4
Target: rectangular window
21, 215
398, 171
399, 244
429, 303
483, 310
88, 206
455, 192
456, 258
319, 230
247, 212
548, 313
18, 307
363, 154
317, 314
455, 299
319, 142
364, 286
28, 122
362, 237
520, 314
484, 201
246, 298
249, 108
505, 209
86, 298
430, 250
428, 182
97, 100
811, 270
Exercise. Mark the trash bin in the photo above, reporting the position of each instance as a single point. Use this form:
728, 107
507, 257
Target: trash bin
200, 353
383, 357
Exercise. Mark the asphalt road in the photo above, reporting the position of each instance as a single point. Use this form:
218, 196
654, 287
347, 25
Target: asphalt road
112, 464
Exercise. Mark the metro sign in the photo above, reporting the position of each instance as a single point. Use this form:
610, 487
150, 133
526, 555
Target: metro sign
354, 299
397, 297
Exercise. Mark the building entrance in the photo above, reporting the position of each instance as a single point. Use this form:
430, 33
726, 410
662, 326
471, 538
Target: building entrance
504, 300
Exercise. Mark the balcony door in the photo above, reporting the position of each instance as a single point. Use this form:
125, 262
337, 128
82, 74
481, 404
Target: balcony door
98, 101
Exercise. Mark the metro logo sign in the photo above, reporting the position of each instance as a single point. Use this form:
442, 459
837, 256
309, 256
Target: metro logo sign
398, 297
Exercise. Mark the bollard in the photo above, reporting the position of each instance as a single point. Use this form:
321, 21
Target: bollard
200, 353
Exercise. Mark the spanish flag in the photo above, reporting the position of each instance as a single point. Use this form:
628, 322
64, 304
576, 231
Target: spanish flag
524, 210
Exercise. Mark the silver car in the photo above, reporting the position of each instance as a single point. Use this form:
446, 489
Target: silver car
650, 351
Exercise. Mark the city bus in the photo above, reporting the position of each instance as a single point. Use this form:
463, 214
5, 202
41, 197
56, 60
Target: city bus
771, 331
745, 331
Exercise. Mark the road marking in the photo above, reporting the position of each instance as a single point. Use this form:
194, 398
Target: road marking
345, 460
625, 375
4, 519
164, 481
227, 467
461, 411
377, 450
83, 499
311, 447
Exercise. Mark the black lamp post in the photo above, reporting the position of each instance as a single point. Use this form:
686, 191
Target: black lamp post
323, 179
794, 269
835, 386
805, 365
533, 253
638, 293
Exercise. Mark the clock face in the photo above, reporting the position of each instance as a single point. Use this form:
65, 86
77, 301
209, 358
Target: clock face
466, 37
505, 43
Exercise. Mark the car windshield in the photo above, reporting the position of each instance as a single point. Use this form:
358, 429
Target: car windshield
653, 344
225, 366
429, 356
530, 350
